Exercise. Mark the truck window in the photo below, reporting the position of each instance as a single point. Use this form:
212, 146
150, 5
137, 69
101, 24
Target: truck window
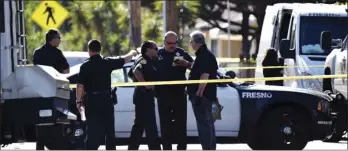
284, 27
275, 30
311, 28
291, 33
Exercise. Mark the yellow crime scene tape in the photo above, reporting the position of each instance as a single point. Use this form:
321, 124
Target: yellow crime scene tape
271, 67
222, 80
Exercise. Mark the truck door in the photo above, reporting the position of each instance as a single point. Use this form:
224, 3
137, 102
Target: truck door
340, 84
290, 62
281, 30
266, 38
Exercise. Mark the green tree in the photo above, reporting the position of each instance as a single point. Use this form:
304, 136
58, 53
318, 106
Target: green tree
104, 20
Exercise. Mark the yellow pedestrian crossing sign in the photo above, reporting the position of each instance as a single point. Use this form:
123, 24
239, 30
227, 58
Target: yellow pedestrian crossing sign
50, 14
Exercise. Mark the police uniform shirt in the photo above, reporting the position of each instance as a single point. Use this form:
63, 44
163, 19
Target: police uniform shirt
168, 72
145, 65
95, 73
205, 62
50, 56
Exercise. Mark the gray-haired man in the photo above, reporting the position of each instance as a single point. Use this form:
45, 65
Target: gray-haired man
203, 95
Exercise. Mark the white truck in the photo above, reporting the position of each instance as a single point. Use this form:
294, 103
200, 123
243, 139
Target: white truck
299, 27
34, 103
295, 30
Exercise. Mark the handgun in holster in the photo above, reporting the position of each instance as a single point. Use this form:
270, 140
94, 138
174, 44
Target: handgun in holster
114, 95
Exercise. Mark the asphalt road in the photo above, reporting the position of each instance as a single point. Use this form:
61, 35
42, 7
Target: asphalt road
315, 145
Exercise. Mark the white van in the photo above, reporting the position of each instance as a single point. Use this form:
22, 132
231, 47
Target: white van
295, 30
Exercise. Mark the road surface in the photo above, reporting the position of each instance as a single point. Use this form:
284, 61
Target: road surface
315, 145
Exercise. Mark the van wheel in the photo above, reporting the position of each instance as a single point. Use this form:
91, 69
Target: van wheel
284, 128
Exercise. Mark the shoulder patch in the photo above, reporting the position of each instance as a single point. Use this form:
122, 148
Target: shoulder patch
143, 61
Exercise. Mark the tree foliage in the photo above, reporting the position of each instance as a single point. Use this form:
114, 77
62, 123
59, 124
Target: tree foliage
105, 20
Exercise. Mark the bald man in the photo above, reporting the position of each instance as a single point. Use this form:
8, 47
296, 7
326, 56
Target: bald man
172, 99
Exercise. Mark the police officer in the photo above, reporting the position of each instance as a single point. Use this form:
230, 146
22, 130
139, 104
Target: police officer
94, 79
172, 99
49, 55
144, 99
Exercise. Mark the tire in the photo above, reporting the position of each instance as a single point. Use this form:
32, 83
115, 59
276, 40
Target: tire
283, 128
53, 138
340, 124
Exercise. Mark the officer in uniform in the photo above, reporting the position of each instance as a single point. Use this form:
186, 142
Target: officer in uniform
49, 55
144, 99
172, 99
95, 81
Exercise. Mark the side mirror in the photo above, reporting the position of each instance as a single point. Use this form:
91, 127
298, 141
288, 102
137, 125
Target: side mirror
325, 40
231, 74
284, 47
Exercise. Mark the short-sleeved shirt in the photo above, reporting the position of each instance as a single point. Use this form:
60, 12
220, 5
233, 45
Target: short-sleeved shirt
95, 73
146, 66
168, 72
50, 56
205, 62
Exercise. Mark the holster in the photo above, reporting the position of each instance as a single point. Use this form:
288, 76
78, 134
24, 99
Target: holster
114, 95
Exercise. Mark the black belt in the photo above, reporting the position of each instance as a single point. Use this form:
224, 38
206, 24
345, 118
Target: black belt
98, 92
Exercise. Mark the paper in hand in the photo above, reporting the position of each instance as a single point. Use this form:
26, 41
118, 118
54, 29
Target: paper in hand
177, 58
82, 113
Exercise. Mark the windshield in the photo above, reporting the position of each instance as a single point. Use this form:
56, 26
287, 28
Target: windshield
75, 60
311, 28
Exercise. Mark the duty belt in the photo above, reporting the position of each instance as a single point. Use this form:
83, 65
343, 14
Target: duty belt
98, 92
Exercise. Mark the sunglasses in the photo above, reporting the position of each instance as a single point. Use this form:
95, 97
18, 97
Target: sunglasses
171, 43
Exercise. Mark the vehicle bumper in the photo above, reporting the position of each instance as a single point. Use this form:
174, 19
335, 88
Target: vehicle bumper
323, 126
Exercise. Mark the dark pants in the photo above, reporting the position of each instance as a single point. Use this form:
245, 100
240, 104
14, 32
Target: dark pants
205, 124
100, 122
145, 119
173, 118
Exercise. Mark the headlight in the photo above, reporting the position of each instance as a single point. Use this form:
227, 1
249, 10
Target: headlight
323, 106
312, 84
78, 132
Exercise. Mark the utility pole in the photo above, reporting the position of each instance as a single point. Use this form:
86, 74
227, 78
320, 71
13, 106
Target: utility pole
228, 29
135, 21
164, 9
171, 16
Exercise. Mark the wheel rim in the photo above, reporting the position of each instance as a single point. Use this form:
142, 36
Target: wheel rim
285, 133
288, 130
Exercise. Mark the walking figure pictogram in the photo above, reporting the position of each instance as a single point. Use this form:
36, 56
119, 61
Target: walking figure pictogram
49, 10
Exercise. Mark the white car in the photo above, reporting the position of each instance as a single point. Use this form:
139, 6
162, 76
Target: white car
75, 57
336, 64
253, 114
